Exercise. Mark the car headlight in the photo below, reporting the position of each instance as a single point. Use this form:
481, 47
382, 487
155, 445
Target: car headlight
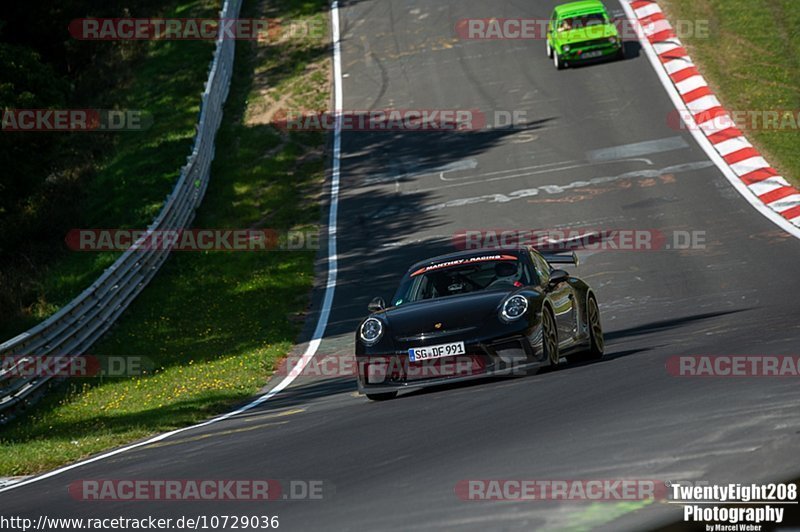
371, 331
612, 40
514, 308
565, 48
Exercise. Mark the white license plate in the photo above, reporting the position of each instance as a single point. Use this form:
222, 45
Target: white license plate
436, 351
589, 55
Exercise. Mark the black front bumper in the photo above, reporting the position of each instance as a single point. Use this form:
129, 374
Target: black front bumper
512, 355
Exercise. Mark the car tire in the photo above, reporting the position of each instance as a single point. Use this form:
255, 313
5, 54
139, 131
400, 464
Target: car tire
557, 61
550, 338
387, 396
596, 340
549, 50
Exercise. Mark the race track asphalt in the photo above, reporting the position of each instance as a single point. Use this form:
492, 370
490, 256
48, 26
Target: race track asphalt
395, 465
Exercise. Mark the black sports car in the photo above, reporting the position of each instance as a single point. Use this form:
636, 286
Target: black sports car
474, 314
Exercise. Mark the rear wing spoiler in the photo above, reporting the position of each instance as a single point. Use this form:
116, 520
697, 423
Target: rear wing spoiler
561, 258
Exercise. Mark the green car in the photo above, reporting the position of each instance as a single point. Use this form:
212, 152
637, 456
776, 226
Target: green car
582, 31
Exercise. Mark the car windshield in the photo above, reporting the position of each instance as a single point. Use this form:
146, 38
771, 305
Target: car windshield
461, 277
583, 21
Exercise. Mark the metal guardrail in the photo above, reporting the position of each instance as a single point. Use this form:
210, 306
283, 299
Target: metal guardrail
79, 324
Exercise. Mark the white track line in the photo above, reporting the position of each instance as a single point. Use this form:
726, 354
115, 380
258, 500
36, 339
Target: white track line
327, 303
697, 133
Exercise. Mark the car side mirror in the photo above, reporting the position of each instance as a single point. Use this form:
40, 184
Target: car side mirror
558, 277
376, 305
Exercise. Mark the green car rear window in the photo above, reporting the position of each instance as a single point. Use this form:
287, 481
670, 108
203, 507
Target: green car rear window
582, 21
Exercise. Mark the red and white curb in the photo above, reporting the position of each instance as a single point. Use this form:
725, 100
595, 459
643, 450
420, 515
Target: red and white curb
709, 116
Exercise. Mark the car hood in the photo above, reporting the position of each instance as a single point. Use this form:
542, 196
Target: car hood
451, 313
589, 33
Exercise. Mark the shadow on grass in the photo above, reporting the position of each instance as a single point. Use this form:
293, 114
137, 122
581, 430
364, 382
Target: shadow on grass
118, 178
175, 415
202, 307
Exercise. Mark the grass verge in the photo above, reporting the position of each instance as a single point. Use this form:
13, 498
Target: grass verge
124, 185
751, 58
213, 324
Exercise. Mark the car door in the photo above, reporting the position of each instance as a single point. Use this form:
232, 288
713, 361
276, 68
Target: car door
562, 296
551, 28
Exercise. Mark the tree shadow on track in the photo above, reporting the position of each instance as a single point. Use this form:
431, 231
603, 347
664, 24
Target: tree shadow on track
380, 232
665, 325
302, 394
383, 225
